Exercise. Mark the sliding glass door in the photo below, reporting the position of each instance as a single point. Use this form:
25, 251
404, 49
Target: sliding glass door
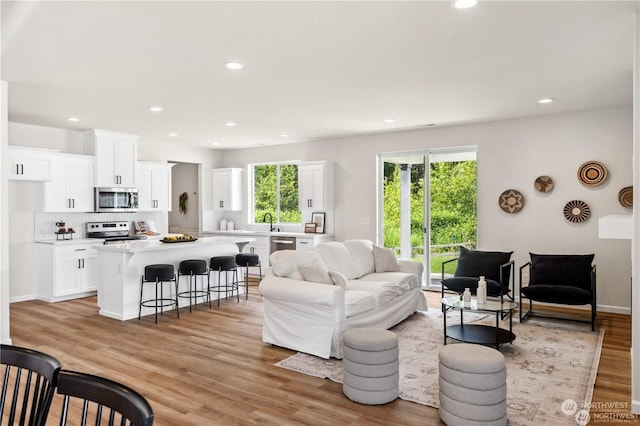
427, 206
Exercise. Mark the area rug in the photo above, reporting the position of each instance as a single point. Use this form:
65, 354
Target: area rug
548, 364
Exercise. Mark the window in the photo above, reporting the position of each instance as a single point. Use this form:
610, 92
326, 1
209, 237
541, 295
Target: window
275, 192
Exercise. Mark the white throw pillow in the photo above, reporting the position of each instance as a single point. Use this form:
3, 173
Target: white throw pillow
385, 260
338, 279
315, 272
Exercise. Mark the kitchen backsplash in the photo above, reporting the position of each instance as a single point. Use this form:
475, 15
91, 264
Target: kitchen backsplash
45, 223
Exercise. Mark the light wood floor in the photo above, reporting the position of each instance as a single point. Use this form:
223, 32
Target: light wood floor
210, 367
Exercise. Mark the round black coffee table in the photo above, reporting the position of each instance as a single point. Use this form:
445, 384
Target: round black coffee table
479, 333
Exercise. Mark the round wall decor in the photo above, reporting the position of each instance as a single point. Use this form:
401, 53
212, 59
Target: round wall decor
625, 196
592, 173
511, 201
576, 211
543, 184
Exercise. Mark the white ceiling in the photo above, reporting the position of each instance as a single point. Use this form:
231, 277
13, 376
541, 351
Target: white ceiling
312, 69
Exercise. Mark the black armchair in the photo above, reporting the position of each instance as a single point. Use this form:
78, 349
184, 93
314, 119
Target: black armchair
496, 266
562, 279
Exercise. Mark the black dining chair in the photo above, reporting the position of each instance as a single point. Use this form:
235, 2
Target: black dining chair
100, 401
29, 380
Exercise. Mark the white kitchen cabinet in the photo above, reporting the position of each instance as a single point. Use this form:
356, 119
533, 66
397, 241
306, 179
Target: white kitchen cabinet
71, 187
154, 186
116, 157
27, 163
227, 189
66, 271
312, 240
315, 186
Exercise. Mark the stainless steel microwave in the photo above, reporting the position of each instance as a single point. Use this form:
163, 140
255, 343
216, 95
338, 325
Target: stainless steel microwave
116, 200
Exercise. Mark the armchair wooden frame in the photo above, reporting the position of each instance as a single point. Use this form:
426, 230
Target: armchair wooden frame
530, 313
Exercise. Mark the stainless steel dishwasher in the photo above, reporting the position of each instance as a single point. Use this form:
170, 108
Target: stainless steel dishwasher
282, 243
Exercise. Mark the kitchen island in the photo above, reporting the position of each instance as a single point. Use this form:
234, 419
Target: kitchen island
120, 267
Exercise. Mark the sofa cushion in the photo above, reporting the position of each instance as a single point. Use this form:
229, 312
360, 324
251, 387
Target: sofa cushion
385, 259
362, 256
357, 302
338, 278
337, 258
561, 269
284, 263
315, 272
474, 263
384, 291
405, 280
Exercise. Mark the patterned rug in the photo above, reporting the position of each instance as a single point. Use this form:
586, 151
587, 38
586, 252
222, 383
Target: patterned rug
548, 364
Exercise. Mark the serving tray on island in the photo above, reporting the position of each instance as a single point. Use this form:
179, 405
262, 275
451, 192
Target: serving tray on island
184, 240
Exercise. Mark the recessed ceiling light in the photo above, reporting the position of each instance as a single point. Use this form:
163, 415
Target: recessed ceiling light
545, 100
389, 120
173, 135
155, 109
233, 65
230, 124
73, 119
284, 135
464, 4
215, 143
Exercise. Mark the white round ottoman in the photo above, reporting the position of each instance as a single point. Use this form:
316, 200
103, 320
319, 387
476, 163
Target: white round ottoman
473, 385
370, 360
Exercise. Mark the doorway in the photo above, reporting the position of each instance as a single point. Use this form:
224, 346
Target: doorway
184, 216
427, 206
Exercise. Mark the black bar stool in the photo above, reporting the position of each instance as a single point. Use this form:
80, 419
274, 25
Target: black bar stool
193, 268
158, 274
225, 264
246, 261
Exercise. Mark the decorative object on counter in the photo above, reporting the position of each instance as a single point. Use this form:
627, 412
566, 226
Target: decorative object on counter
592, 173
231, 226
511, 201
318, 219
185, 238
543, 184
183, 199
577, 211
61, 224
64, 233
310, 228
625, 196
223, 224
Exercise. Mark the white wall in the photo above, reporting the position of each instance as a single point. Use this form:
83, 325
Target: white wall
511, 154
5, 336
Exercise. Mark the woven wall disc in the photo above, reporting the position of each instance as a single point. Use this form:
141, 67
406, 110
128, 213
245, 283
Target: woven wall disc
543, 184
592, 173
511, 201
577, 211
625, 196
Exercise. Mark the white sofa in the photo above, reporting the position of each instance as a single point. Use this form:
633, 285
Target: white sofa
311, 317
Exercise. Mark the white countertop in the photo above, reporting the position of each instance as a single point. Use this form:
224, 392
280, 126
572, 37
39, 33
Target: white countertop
138, 246
242, 232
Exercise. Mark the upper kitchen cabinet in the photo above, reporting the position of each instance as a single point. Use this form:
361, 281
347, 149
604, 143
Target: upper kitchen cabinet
227, 189
315, 186
71, 187
154, 186
116, 157
30, 163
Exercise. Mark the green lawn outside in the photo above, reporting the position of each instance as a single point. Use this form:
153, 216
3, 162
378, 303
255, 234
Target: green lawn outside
436, 264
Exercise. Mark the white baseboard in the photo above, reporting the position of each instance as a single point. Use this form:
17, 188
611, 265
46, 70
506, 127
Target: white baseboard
22, 298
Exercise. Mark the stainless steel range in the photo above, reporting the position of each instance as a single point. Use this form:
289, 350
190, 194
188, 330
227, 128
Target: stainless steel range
111, 231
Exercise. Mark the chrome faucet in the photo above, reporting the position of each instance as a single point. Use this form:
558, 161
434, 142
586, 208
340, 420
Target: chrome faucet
264, 219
